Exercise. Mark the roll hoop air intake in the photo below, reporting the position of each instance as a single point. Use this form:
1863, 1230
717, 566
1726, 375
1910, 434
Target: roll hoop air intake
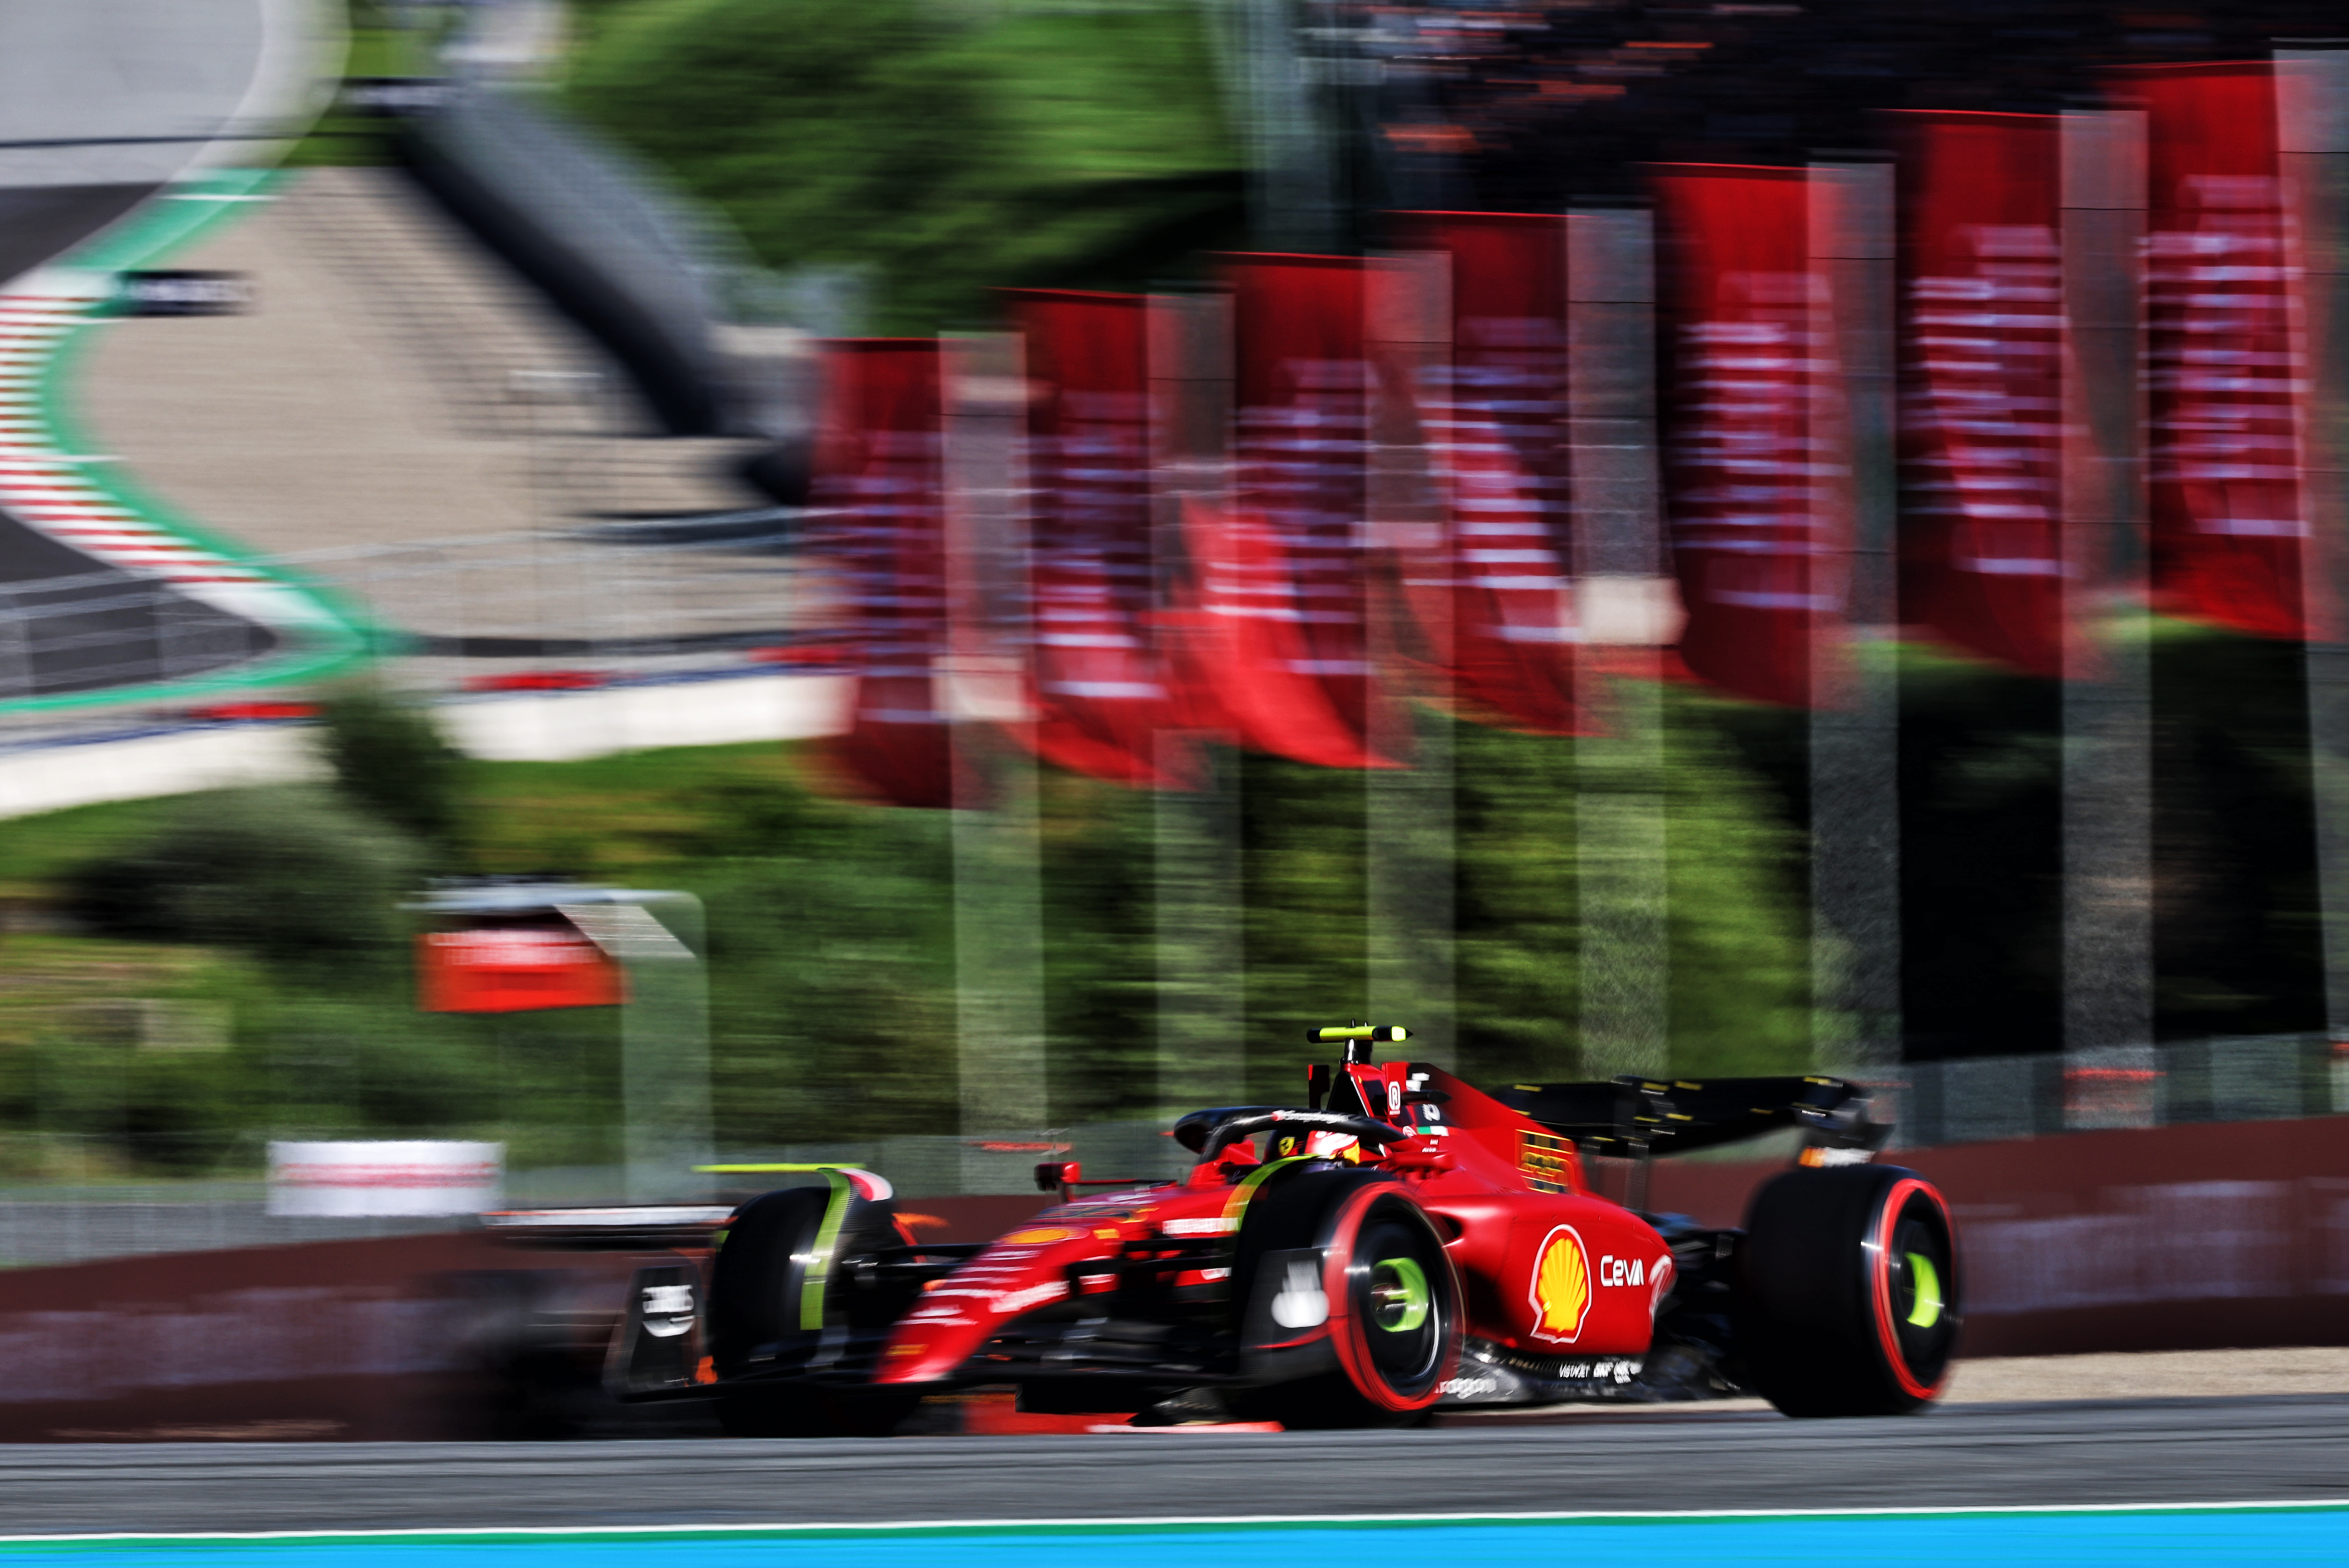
1210, 1133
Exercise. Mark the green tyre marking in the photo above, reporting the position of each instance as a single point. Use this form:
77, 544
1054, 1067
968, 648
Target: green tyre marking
1404, 1304
1236, 1206
1926, 1310
827, 1241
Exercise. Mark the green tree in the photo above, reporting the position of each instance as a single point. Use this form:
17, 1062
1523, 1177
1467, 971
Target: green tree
1534, 849
942, 154
831, 960
391, 759
1739, 926
291, 874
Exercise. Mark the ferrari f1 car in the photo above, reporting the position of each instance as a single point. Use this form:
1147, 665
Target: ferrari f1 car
1400, 1241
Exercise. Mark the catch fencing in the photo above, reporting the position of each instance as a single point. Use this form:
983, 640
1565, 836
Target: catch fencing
617, 597
481, 617
2240, 1078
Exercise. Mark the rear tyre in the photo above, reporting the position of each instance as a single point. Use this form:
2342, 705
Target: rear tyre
759, 1316
754, 1284
1850, 1295
1393, 1300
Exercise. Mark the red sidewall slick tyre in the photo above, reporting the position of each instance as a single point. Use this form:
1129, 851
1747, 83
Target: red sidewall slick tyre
1393, 1297
1913, 1203
1373, 1225
1851, 1293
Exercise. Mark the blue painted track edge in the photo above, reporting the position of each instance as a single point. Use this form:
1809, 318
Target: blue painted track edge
1187, 1522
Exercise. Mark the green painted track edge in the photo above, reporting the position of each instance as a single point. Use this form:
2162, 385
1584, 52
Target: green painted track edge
157, 229
556, 1534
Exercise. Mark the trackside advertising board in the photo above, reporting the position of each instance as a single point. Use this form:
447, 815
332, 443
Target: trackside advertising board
1102, 690
1984, 360
515, 966
346, 1180
1755, 465
879, 488
1294, 557
1496, 596
2226, 375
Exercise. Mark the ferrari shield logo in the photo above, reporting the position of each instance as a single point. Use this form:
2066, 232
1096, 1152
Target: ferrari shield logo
1561, 1287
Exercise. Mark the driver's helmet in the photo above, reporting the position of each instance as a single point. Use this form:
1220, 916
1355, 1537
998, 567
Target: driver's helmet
1323, 1145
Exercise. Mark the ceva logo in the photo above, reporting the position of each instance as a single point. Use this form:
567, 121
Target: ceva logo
1561, 1287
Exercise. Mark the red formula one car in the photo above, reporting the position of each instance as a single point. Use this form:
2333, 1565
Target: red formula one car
1401, 1241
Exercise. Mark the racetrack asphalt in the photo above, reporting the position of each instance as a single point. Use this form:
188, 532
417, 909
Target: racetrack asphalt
101, 101
2285, 1448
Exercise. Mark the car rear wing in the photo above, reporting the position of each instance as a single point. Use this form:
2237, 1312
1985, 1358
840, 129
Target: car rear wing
1632, 1116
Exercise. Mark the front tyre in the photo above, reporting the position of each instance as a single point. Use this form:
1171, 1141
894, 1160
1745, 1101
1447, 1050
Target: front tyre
1400, 1334
1850, 1296
1393, 1298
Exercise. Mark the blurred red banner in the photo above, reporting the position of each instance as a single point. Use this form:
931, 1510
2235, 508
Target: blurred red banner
1493, 598
2227, 376
1249, 667
1755, 472
1277, 612
878, 496
1983, 362
514, 966
1102, 691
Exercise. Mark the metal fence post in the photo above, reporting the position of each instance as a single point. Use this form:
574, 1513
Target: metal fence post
2108, 783
1623, 585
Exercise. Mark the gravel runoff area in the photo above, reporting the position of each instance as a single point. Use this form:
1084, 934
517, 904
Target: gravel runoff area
2153, 1375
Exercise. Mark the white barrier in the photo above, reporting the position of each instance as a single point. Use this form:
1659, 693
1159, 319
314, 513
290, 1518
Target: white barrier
346, 1180
567, 726
536, 727
168, 762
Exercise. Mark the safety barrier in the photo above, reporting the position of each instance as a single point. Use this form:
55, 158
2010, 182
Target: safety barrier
2238, 1078
2176, 1238
543, 647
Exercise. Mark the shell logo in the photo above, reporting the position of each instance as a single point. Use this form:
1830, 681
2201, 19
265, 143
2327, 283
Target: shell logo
1561, 1287
1042, 1235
